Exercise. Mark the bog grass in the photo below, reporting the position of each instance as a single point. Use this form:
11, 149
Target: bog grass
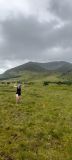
40, 126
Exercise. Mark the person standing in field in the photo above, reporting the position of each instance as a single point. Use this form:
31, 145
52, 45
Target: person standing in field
18, 93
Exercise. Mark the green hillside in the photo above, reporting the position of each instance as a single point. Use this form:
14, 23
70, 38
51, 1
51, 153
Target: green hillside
40, 70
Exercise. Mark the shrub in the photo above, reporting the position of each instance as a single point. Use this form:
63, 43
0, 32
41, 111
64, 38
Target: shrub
45, 83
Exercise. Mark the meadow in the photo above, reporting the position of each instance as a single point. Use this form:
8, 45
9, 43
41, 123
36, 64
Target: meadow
40, 126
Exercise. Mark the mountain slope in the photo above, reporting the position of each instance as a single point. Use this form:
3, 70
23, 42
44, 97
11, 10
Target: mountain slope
54, 65
18, 71
34, 67
31, 66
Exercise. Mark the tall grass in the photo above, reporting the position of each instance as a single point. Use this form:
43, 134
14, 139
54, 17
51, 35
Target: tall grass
40, 126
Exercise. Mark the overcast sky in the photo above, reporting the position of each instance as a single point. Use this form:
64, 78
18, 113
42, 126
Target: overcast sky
35, 30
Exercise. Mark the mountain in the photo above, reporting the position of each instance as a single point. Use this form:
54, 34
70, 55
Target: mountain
30, 66
56, 65
38, 68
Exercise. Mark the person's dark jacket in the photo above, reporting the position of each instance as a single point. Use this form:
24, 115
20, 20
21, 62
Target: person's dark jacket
18, 91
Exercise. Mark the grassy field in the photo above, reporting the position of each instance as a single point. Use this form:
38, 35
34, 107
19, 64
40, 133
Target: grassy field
40, 127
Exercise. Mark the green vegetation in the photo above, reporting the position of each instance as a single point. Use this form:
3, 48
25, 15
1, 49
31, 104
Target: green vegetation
40, 127
32, 68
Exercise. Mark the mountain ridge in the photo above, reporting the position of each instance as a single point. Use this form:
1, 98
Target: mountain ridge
48, 67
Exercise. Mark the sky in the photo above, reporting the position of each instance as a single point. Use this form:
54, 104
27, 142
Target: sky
35, 30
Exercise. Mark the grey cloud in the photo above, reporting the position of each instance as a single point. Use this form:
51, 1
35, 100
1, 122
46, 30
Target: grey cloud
62, 8
27, 38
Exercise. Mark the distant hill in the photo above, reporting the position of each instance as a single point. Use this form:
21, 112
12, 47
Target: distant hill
34, 67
